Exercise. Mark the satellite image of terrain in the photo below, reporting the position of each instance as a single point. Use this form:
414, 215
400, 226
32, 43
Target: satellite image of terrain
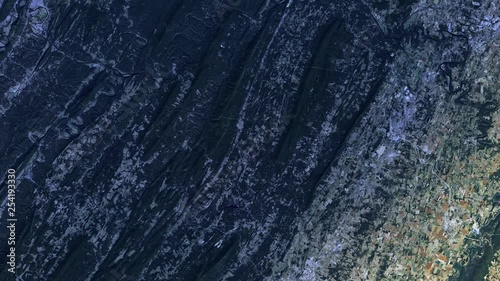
249, 140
